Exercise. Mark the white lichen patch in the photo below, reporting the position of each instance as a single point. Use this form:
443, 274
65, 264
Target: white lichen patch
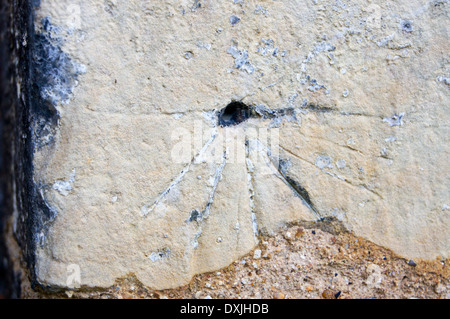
241, 59
395, 120
65, 187
159, 255
324, 161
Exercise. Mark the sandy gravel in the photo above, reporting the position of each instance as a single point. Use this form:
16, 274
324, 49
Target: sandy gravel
302, 261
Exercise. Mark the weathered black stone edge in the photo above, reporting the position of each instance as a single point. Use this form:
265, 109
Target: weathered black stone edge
15, 27
6, 141
17, 113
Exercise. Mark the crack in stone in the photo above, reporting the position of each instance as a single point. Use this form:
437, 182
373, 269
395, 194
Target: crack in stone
206, 212
296, 188
343, 179
145, 210
255, 111
237, 112
250, 167
295, 155
149, 113
217, 179
371, 190
326, 109
333, 142
332, 174
46, 218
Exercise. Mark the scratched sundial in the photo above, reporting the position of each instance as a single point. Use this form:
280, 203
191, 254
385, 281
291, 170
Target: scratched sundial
241, 156
179, 135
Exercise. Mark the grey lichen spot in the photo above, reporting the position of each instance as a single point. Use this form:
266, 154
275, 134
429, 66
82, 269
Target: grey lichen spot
444, 79
320, 47
54, 75
340, 164
54, 72
234, 19
305, 78
292, 98
276, 115
160, 254
390, 139
406, 25
283, 114
44, 132
241, 60
197, 4
111, 8
384, 41
261, 10
240, 2
314, 86
323, 161
267, 48
206, 46
395, 120
188, 55
195, 216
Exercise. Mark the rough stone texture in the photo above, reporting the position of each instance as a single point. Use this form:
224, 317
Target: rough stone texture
299, 262
353, 97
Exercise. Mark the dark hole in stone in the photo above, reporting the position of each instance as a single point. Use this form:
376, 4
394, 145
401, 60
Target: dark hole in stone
234, 113
195, 216
407, 26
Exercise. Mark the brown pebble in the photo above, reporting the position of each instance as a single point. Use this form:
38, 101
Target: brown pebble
299, 233
278, 295
328, 294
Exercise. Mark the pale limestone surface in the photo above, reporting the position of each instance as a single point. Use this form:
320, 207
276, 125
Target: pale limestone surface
369, 141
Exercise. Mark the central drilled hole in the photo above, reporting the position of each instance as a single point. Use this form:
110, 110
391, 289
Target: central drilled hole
234, 113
